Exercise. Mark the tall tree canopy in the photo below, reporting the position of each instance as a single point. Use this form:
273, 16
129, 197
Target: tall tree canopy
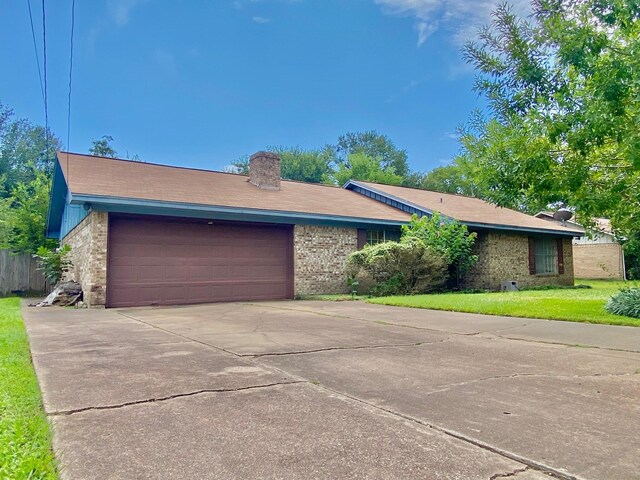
373, 145
304, 165
27, 156
102, 147
360, 166
564, 95
367, 156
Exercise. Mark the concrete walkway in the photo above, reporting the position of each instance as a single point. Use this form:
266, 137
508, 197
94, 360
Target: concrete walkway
335, 390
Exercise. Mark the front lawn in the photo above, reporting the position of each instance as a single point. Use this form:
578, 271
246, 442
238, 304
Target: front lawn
575, 305
25, 437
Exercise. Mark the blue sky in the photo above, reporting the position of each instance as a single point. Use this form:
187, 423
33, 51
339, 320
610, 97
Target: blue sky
200, 83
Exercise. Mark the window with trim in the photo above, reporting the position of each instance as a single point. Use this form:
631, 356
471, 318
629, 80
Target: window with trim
545, 256
378, 236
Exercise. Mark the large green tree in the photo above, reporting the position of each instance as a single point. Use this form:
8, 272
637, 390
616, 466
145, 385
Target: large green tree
102, 147
27, 158
376, 146
360, 166
563, 89
25, 150
304, 165
367, 156
296, 163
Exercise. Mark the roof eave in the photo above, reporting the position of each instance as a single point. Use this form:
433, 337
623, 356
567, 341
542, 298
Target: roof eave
489, 226
160, 207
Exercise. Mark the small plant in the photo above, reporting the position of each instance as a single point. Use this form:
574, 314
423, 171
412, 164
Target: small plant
353, 284
53, 263
626, 302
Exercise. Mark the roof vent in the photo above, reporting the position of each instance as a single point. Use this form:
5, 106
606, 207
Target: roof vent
264, 170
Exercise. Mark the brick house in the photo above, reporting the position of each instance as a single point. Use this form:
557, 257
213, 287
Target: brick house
146, 234
598, 255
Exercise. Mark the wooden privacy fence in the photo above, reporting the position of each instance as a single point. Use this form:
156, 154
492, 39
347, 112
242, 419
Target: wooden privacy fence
18, 274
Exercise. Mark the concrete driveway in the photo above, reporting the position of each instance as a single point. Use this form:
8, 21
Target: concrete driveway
335, 390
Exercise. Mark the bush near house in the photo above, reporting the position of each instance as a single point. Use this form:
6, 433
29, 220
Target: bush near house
449, 238
398, 268
431, 253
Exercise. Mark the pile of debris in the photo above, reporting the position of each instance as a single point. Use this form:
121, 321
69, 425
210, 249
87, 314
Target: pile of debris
64, 295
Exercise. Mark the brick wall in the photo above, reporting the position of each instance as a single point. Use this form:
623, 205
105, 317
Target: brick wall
600, 260
88, 242
320, 256
504, 257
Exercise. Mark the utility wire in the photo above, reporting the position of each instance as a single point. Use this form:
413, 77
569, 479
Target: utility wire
35, 48
44, 58
73, 21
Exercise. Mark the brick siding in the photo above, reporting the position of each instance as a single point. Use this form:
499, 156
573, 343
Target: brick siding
320, 257
598, 260
88, 242
504, 257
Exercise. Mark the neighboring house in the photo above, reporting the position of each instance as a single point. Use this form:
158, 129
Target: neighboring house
597, 254
146, 234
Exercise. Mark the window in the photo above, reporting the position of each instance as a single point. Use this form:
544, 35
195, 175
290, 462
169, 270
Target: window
545, 256
378, 236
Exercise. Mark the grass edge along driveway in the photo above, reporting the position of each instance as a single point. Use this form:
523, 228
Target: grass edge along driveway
25, 433
574, 305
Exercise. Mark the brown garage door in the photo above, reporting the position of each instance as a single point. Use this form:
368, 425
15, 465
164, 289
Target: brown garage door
157, 261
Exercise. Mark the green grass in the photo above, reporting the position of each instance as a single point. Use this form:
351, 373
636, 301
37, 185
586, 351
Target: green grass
25, 436
575, 305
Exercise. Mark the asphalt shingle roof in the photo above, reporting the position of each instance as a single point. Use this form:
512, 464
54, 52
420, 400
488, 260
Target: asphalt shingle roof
108, 177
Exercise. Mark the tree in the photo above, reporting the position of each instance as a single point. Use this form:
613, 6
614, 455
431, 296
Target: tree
25, 149
30, 204
450, 179
376, 160
564, 97
373, 145
296, 163
304, 165
360, 166
102, 147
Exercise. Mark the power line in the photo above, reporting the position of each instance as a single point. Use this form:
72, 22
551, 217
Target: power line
35, 48
44, 59
73, 21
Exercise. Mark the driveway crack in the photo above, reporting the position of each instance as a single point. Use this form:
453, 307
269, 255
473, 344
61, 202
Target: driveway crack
170, 397
330, 349
509, 474
527, 462
531, 375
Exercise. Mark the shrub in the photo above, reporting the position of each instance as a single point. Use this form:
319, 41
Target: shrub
626, 302
399, 268
447, 237
53, 263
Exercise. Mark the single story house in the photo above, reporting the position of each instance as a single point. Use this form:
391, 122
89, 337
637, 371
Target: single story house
597, 254
147, 234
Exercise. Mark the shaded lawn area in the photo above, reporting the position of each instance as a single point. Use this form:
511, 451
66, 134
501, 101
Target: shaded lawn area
575, 305
25, 436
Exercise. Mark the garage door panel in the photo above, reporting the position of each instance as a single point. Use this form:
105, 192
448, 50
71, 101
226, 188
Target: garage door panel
164, 262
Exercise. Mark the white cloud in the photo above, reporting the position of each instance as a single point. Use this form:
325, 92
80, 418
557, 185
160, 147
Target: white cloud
261, 20
120, 10
425, 30
461, 18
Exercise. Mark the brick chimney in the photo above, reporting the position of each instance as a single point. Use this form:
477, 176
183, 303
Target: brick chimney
264, 170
